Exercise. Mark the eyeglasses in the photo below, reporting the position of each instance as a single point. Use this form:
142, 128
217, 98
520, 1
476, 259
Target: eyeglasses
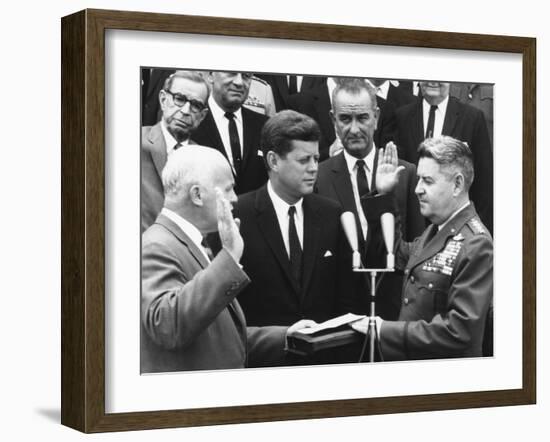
181, 100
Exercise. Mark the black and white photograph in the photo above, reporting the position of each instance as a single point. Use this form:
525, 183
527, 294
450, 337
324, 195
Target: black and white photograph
300, 220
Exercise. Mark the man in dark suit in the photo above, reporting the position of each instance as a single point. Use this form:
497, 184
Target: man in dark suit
351, 174
233, 129
439, 114
448, 290
190, 318
394, 95
183, 104
295, 251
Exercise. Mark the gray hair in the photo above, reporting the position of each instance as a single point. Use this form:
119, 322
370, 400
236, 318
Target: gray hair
354, 86
450, 152
194, 76
188, 166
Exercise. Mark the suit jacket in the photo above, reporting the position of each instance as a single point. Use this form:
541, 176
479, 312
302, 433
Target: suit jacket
463, 122
153, 82
153, 158
333, 181
398, 96
190, 319
447, 294
253, 172
273, 296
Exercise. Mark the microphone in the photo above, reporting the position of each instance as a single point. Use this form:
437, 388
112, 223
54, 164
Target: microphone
350, 229
387, 220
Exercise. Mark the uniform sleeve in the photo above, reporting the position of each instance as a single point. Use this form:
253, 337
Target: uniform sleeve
449, 334
177, 306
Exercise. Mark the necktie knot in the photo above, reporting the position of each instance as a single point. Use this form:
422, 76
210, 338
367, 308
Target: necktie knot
292, 211
229, 115
360, 164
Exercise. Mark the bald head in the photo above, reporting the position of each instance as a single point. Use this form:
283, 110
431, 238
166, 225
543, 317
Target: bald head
190, 177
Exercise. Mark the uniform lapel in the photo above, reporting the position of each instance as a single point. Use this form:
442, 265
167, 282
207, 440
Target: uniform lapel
429, 247
269, 226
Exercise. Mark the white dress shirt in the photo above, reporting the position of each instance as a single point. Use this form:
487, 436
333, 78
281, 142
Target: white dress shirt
223, 127
299, 79
352, 169
169, 140
281, 210
189, 229
439, 116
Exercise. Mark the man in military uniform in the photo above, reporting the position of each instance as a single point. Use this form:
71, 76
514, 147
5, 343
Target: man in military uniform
448, 287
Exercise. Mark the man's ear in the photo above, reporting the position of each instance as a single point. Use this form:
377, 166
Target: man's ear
377, 114
195, 195
272, 160
332, 118
203, 113
459, 183
163, 96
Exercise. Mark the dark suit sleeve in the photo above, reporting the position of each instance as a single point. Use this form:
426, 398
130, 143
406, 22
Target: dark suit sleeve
448, 334
266, 346
481, 191
175, 307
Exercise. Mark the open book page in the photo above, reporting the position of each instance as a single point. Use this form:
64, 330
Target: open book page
348, 318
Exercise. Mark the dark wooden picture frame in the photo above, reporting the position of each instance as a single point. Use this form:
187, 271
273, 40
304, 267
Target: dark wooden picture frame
83, 220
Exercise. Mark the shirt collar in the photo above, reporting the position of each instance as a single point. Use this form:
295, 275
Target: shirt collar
219, 114
442, 107
382, 90
169, 140
455, 213
369, 159
189, 229
281, 206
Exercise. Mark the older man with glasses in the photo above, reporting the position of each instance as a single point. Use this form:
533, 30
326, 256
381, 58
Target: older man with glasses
183, 101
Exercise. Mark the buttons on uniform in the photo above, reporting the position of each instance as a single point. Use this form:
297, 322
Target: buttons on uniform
430, 286
406, 301
453, 230
412, 279
406, 272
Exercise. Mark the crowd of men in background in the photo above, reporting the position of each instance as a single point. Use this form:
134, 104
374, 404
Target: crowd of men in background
288, 154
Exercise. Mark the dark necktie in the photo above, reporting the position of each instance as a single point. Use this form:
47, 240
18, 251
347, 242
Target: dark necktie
207, 248
431, 122
234, 142
294, 247
292, 85
362, 183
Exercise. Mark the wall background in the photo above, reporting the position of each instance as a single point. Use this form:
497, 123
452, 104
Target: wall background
30, 225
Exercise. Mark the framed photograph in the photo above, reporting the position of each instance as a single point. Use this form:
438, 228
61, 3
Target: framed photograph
118, 75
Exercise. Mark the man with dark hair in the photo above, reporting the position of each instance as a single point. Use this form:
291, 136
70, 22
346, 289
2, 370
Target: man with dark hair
448, 291
233, 129
183, 104
351, 174
295, 251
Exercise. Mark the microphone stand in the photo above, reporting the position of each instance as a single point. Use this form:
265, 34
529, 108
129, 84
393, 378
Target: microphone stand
372, 333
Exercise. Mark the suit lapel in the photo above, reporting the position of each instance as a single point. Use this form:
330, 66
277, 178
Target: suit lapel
158, 151
269, 226
248, 128
451, 117
182, 236
210, 130
312, 234
417, 129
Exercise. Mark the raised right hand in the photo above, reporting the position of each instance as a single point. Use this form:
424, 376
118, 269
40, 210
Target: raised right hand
228, 227
387, 172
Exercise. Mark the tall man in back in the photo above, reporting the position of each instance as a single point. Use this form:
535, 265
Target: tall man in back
190, 318
233, 129
183, 103
437, 114
295, 251
351, 174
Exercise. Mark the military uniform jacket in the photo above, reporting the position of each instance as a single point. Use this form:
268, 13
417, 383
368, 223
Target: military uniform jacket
447, 291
